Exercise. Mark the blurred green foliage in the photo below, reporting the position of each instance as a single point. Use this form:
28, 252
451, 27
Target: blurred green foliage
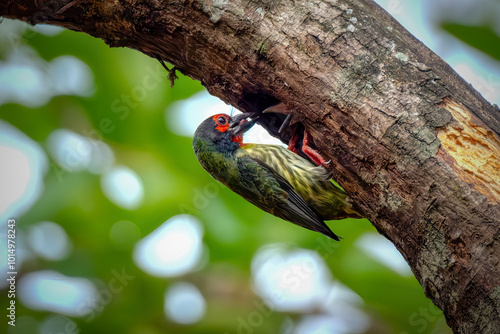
483, 38
164, 161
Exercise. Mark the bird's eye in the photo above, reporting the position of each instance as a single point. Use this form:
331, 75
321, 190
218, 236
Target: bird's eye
222, 120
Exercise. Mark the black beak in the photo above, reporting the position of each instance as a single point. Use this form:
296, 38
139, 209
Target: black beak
241, 123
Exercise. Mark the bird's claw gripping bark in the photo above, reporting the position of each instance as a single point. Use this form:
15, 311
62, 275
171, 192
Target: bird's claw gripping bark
310, 152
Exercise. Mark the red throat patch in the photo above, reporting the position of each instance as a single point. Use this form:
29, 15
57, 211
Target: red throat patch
238, 139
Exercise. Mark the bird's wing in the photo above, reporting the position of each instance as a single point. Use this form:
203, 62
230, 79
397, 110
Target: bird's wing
276, 191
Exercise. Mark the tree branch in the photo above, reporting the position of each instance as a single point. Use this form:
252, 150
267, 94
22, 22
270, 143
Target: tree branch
415, 146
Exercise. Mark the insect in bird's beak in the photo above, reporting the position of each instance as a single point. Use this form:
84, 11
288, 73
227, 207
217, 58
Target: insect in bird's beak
241, 123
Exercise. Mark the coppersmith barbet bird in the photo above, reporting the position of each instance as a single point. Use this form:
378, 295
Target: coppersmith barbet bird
271, 177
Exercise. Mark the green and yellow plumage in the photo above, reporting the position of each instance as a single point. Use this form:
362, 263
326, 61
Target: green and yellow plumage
271, 177
309, 181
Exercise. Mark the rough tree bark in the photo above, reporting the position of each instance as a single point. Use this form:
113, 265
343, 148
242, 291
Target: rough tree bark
415, 146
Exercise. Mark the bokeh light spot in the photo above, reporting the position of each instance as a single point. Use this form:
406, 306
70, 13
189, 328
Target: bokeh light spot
184, 303
71, 76
75, 152
382, 250
31, 81
51, 291
122, 186
290, 279
14, 176
21, 172
184, 116
173, 249
49, 241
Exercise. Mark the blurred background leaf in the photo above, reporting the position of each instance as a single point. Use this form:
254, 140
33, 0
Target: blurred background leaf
483, 38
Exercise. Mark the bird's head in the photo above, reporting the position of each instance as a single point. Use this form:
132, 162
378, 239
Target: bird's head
225, 131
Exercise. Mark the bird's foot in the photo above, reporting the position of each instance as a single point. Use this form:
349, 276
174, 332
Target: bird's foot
312, 153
